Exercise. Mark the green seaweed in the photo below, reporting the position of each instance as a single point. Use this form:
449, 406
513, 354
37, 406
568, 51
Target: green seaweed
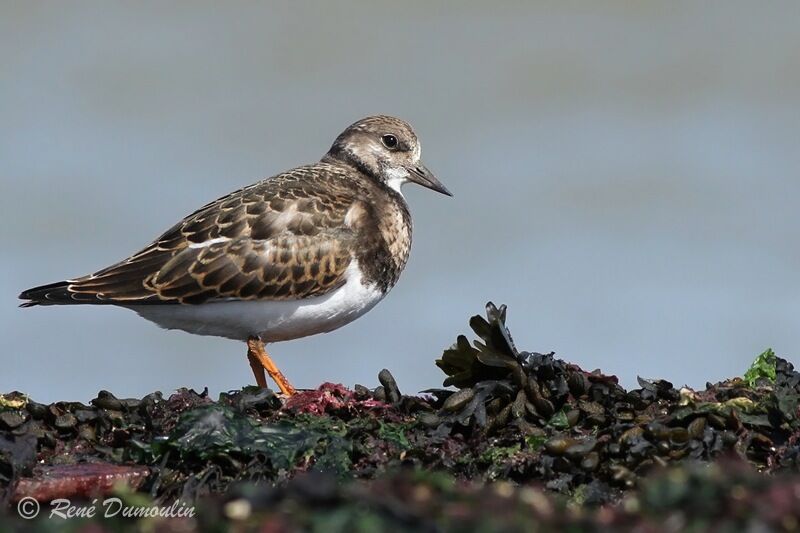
209, 432
762, 369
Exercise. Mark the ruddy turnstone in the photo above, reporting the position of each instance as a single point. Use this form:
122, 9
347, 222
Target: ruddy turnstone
300, 253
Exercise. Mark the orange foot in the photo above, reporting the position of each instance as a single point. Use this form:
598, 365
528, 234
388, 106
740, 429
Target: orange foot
261, 361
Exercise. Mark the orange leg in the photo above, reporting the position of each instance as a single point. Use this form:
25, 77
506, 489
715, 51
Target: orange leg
260, 361
258, 370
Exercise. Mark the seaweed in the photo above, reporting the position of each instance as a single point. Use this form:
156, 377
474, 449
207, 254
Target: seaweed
513, 439
763, 369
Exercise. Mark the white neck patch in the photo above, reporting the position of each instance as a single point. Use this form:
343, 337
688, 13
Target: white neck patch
396, 178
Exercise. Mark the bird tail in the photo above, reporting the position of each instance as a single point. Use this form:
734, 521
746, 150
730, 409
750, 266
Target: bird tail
51, 294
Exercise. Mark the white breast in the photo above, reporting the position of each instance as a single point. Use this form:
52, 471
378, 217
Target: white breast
271, 320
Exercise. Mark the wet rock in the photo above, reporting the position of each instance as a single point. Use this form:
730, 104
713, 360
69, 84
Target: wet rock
11, 419
678, 436
579, 450
65, 422
458, 400
78, 481
591, 461
559, 445
106, 400
85, 415
37, 410
389, 386
361, 392
379, 393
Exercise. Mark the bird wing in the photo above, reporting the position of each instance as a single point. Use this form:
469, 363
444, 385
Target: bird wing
284, 238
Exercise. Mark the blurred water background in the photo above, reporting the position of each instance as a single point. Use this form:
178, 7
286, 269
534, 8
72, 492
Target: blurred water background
625, 176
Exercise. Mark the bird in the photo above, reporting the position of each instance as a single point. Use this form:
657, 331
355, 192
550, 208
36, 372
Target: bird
300, 253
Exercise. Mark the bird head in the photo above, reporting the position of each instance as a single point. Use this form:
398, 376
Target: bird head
387, 150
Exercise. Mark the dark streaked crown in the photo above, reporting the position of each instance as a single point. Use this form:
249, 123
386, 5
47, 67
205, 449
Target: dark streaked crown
377, 146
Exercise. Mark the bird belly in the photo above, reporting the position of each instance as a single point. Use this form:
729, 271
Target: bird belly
272, 320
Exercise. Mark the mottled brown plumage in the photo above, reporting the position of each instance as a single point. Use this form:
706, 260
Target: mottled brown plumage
283, 238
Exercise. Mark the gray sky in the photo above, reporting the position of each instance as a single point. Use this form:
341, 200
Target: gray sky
625, 176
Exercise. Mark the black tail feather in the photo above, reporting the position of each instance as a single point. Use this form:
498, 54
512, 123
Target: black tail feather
51, 294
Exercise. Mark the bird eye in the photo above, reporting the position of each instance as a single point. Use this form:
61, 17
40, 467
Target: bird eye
389, 141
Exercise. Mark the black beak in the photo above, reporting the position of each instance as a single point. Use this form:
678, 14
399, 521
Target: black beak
421, 175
